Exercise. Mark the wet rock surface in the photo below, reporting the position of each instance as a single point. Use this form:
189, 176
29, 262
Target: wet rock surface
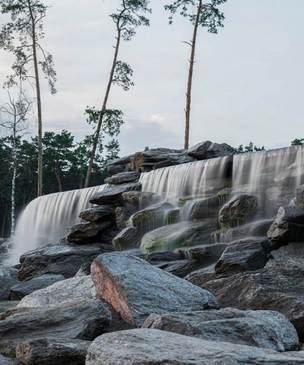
113, 195
208, 149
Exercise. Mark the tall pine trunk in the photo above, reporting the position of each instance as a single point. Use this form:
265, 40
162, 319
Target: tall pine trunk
38, 95
190, 77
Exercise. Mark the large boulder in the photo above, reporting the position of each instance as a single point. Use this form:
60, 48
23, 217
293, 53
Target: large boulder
300, 196
157, 158
83, 320
247, 256
265, 329
150, 218
119, 165
84, 233
208, 149
98, 213
126, 239
288, 226
136, 289
154, 347
113, 194
279, 286
176, 235
239, 210
61, 259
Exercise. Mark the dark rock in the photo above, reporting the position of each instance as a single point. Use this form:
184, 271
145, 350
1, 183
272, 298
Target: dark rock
179, 268
119, 165
178, 235
300, 197
239, 210
150, 218
126, 239
202, 276
50, 351
164, 256
154, 347
84, 233
139, 199
113, 195
203, 252
59, 259
157, 158
95, 214
22, 289
7, 280
123, 177
279, 286
122, 215
82, 320
288, 226
208, 149
201, 208
136, 289
243, 257
264, 329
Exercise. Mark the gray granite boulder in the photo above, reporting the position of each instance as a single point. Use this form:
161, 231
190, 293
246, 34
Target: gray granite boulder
122, 178
136, 289
118, 165
207, 149
288, 226
264, 329
98, 213
239, 210
154, 347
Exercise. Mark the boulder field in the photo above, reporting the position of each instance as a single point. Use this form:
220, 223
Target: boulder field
140, 280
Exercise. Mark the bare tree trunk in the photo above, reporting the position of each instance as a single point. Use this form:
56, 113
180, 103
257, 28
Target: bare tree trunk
14, 182
38, 95
104, 105
190, 76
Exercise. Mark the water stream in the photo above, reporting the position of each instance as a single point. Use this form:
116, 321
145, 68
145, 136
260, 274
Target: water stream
47, 218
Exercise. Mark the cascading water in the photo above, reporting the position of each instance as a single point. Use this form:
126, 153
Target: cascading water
271, 175
194, 179
46, 219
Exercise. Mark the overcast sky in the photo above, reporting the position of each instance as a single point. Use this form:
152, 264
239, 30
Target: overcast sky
248, 79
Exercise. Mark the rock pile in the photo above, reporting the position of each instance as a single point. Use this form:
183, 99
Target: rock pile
132, 284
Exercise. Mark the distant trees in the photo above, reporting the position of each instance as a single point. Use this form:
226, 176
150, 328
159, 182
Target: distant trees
297, 142
207, 15
250, 148
126, 20
21, 37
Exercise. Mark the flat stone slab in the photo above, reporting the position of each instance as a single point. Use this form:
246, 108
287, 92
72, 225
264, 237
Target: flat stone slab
73, 290
264, 329
24, 288
154, 347
83, 320
113, 195
136, 289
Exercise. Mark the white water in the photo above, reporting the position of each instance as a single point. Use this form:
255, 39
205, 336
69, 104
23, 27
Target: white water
197, 178
271, 175
47, 218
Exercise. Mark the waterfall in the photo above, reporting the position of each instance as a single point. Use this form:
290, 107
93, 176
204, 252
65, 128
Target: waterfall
46, 218
271, 175
194, 179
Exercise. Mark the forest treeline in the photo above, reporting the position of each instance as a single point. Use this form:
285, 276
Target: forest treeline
65, 165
